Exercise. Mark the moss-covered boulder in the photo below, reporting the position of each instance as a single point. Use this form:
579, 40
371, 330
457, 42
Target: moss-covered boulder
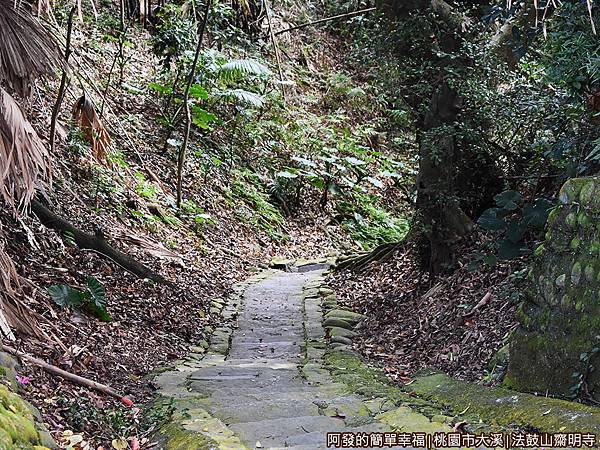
553, 349
18, 428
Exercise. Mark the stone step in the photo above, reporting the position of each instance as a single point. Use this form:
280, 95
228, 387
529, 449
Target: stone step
278, 432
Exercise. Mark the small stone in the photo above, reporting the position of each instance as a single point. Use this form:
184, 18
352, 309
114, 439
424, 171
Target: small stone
571, 219
336, 322
587, 192
583, 220
337, 345
574, 244
569, 191
337, 331
348, 316
341, 340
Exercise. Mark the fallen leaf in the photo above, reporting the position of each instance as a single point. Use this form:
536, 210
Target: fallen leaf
75, 439
119, 444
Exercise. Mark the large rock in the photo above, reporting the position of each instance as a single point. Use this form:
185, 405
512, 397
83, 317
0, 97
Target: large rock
560, 318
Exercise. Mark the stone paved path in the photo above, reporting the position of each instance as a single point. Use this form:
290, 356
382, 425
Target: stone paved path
263, 382
258, 391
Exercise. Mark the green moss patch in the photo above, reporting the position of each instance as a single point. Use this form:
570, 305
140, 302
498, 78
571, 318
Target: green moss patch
17, 424
506, 407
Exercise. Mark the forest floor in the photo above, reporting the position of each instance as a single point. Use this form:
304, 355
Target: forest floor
203, 250
456, 323
216, 241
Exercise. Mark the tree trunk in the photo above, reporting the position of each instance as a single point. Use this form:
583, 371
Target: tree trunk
442, 219
96, 242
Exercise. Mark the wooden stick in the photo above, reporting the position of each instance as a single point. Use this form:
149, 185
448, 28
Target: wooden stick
68, 375
484, 301
327, 19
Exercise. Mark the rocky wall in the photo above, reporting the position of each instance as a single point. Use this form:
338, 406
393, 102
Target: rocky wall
554, 349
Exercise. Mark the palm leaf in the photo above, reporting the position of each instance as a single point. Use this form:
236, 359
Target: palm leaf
13, 313
84, 114
27, 51
24, 160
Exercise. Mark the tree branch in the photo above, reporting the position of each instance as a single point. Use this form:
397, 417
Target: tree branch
327, 19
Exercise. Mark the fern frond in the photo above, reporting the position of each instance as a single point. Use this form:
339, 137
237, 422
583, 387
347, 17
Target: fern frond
237, 68
244, 97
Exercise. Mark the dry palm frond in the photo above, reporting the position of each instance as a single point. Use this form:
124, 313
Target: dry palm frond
12, 311
152, 248
85, 115
26, 50
24, 161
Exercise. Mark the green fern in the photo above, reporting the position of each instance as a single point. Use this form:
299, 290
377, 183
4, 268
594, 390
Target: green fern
243, 97
237, 68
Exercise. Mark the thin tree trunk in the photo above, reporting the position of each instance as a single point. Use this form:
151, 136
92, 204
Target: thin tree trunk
186, 98
63, 83
276, 48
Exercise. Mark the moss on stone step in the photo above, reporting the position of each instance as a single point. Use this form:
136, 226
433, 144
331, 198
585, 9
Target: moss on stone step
348, 316
336, 322
341, 340
17, 423
338, 331
506, 407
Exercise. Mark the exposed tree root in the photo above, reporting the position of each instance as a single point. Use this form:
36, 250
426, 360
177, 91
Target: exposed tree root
96, 242
381, 253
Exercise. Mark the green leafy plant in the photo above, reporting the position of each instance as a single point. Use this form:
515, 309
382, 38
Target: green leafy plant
370, 224
578, 390
91, 300
144, 187
513, 219
255, 207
